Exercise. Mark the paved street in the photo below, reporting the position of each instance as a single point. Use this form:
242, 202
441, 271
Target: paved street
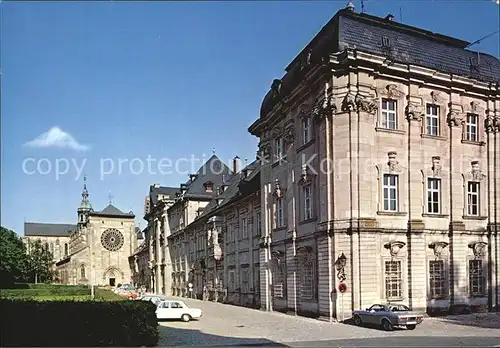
224, 325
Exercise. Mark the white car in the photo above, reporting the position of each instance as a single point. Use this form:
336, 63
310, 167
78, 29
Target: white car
156, 299
176, 310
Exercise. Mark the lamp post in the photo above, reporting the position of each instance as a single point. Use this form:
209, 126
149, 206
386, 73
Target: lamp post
340, 265
92, 295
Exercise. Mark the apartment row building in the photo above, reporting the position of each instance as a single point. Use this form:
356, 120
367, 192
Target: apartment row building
377, 180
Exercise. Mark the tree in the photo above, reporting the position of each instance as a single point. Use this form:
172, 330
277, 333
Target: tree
40, 262
13, 258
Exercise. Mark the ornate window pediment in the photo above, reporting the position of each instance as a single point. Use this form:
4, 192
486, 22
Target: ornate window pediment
475, 108
436, 168
394, 247
393, 163
437, 98
390, 91
478, 248
475, 173
277, 256
438, 248
278, 192
305, 110
306, 176
289, 133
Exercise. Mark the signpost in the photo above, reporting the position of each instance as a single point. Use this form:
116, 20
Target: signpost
342, 289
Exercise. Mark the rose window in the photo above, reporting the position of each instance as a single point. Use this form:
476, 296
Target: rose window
112, 239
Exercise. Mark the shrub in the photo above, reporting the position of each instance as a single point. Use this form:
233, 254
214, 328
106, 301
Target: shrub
78, 324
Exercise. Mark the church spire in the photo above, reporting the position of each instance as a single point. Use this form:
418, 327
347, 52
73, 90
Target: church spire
85, 204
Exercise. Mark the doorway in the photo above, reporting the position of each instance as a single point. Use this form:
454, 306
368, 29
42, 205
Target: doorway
111, 281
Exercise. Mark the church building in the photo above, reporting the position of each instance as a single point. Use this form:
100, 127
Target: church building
95, 250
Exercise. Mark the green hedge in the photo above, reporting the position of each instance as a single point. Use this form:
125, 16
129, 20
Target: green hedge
58, 292
78, 324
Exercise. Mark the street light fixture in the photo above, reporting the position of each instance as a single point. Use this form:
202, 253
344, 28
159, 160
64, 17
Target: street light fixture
340, 265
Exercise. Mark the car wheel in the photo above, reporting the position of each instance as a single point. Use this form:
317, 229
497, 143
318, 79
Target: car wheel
185, 317
357, 320
411, 327
386, 325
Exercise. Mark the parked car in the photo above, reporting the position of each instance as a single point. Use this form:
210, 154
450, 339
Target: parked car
177, 310
388, 316
156, 299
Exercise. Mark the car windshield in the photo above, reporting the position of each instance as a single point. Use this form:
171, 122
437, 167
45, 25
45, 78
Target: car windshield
399, 308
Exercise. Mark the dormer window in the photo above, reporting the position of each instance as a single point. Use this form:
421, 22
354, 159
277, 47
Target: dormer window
209, 186
386, 42
183, 188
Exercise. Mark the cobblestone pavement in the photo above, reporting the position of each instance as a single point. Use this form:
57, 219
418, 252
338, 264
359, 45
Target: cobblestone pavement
224, 325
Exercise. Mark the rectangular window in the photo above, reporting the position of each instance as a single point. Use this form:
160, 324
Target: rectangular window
472, 123
244, 228
433, 196
476, 278
432, 119
279, 148
280, 221
473, 198
306, 130
390, 188
259, 224
389, 114
307, 278
308, 213
231, 279
393, 280
244, 280
437, 279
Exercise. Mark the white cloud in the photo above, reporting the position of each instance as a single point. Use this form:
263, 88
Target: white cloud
56, 137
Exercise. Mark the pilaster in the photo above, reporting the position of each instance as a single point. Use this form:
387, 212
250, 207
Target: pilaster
291, 277
325, 284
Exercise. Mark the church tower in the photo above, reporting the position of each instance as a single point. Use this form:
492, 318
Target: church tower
85, 207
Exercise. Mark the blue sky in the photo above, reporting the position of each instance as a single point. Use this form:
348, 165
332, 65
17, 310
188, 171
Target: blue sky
164, 79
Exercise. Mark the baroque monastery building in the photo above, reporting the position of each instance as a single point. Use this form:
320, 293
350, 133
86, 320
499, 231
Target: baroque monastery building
380, 171
377, 180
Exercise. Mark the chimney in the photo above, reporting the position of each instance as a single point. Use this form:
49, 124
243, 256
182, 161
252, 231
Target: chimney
236, 161
350, 6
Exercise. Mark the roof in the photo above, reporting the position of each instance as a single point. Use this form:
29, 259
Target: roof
214, 170
112, 211
47, 230
144, 246
413, 45
156, 190
406, 45
233, 190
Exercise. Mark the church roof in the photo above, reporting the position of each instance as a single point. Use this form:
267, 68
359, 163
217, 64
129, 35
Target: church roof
47, 230
112, 211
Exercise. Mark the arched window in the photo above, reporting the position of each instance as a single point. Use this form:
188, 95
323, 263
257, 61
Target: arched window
52, 248
82, 271
307, 279
65, 249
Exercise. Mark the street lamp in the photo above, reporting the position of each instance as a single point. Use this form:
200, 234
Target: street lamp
340, 265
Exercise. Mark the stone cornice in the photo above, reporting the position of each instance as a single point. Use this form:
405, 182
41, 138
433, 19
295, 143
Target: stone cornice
415, 71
